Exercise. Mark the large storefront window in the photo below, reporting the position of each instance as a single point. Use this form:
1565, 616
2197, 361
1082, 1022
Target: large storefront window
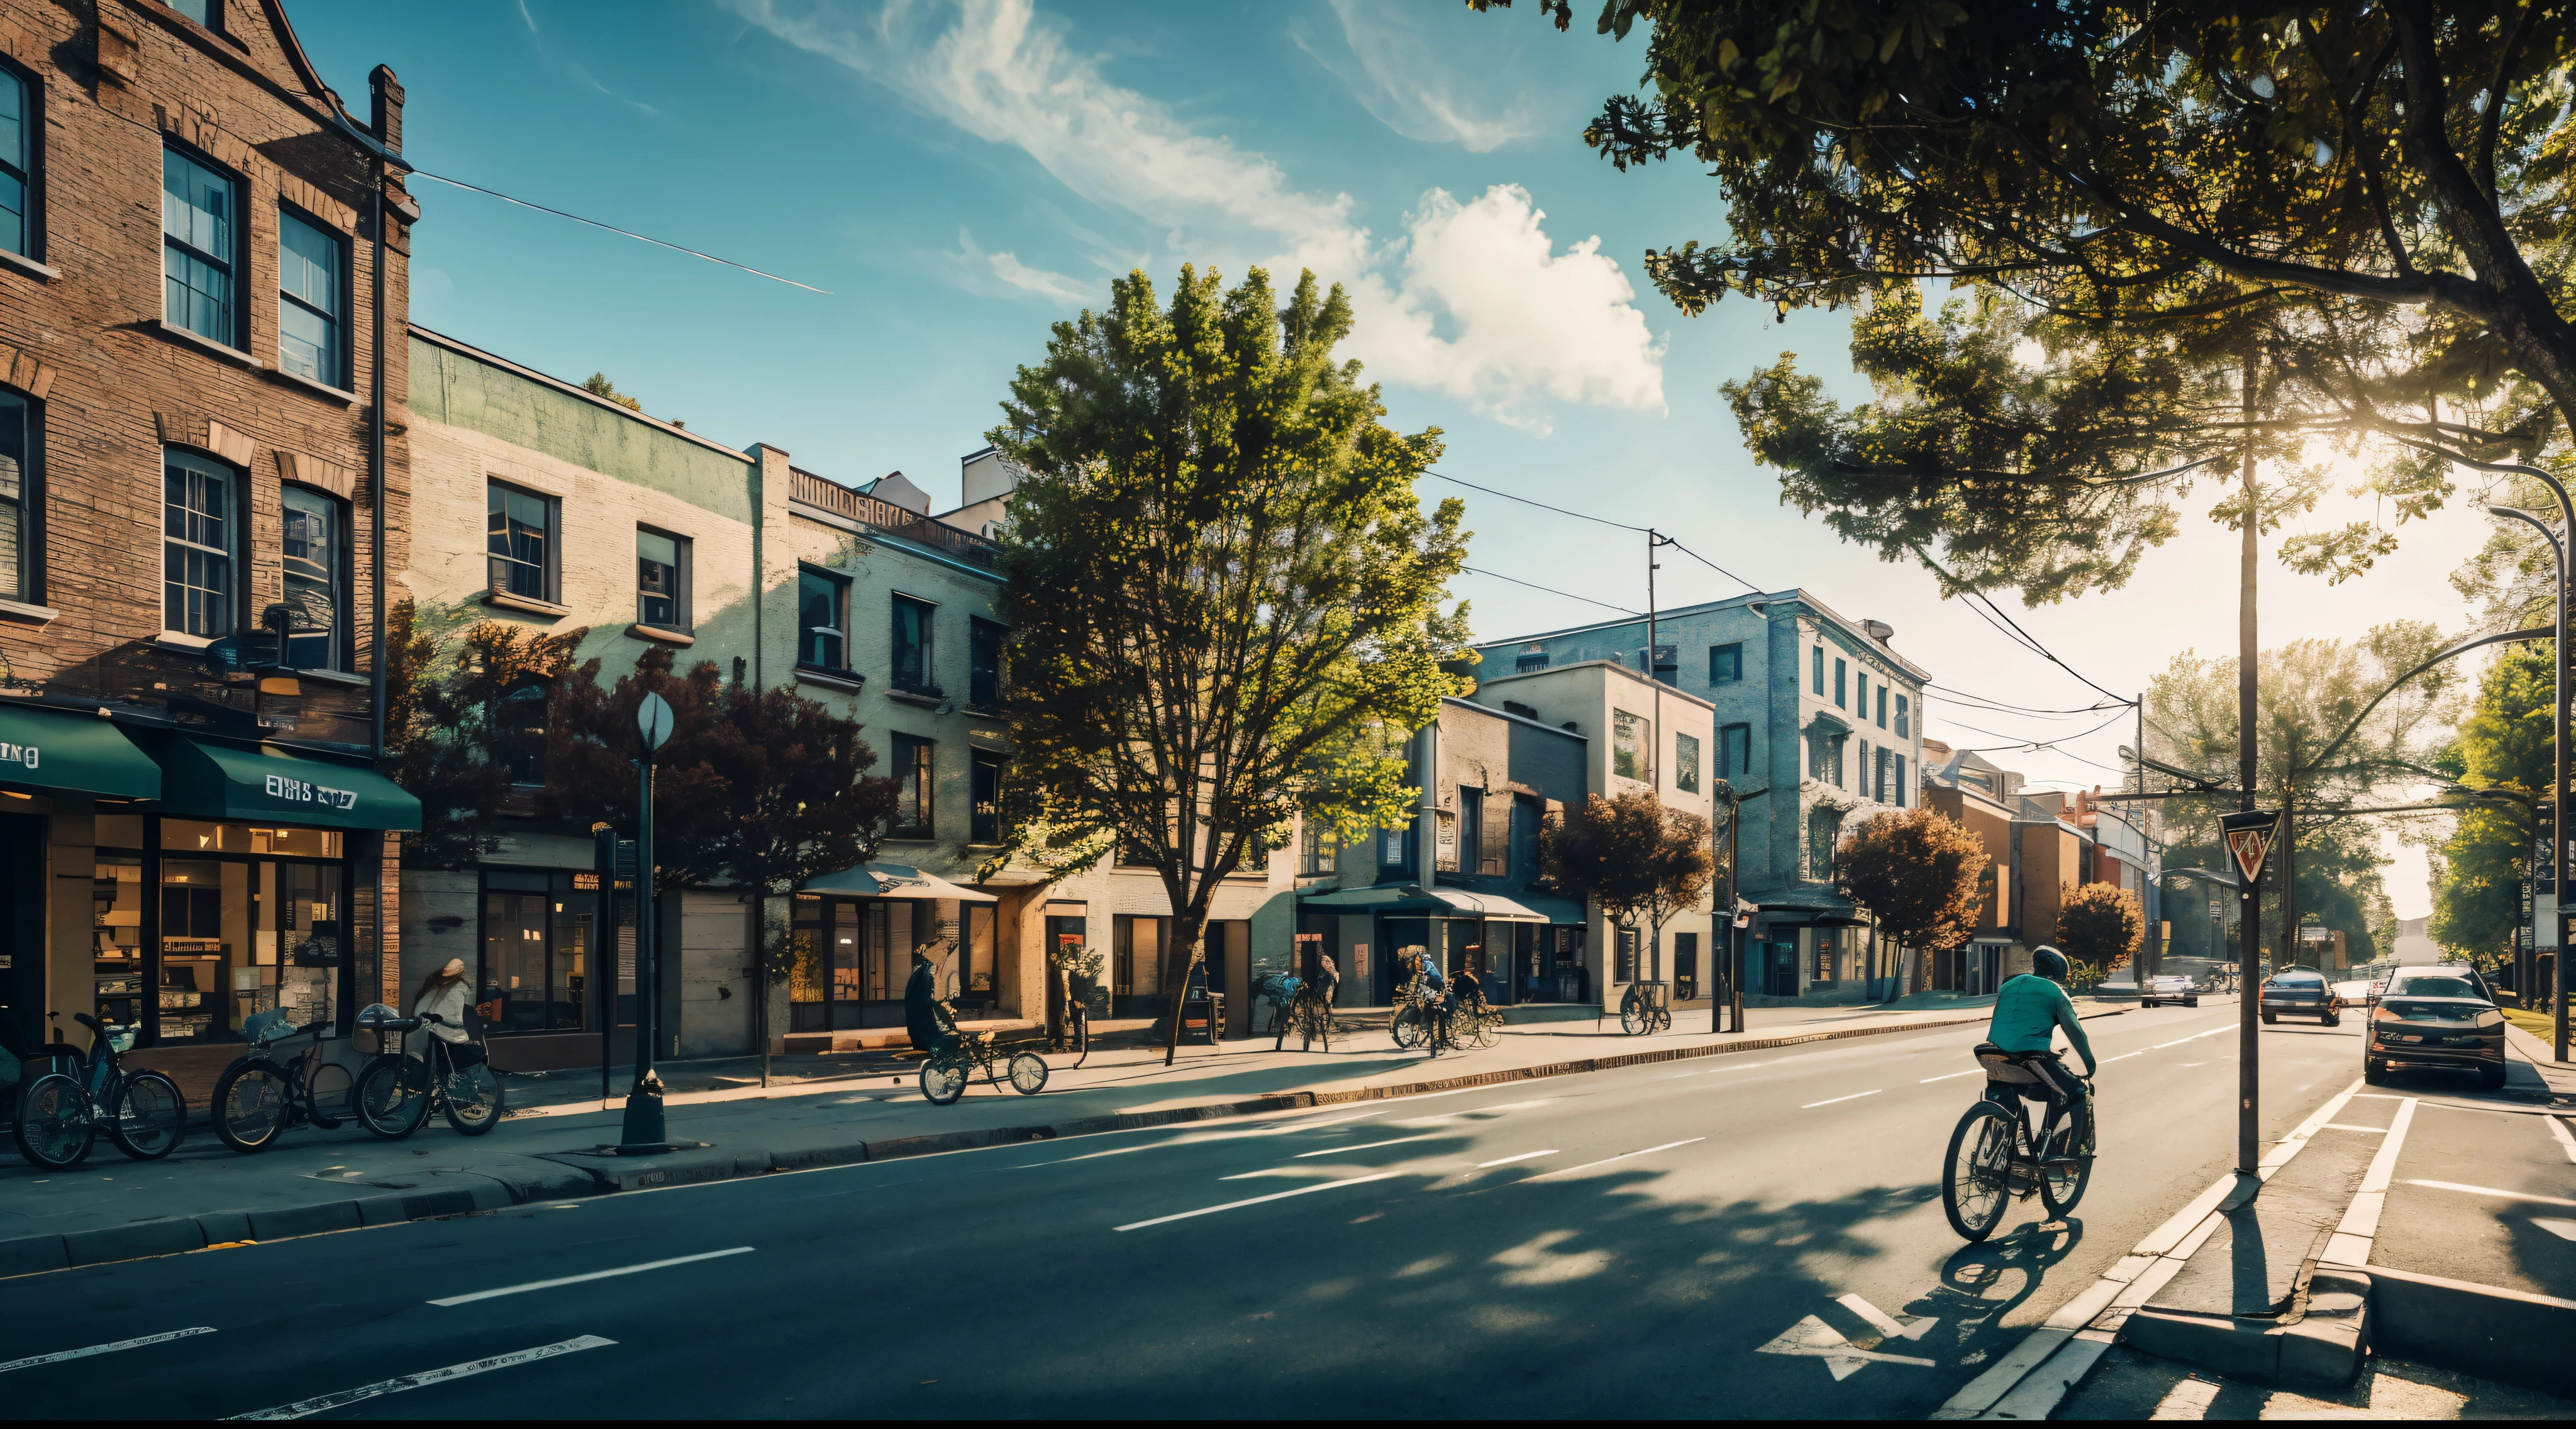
116, 903
199, 925
539, 937
853, 957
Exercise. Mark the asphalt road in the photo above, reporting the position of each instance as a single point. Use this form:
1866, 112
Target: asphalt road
1620, 1244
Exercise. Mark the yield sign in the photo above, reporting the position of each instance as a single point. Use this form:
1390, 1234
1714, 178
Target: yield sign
2249, 838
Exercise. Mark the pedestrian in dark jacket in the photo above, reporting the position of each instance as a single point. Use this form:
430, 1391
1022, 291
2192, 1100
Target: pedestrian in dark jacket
924, 1015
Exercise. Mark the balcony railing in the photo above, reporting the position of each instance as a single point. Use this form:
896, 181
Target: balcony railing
893, 520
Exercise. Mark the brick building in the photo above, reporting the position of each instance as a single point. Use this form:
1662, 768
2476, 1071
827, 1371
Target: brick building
197, 502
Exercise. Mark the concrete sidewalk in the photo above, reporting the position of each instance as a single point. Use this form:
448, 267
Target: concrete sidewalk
822, 1110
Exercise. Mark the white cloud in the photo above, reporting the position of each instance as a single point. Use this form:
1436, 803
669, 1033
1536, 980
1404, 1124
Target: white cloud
1008, 268
1405, 80
1473, 301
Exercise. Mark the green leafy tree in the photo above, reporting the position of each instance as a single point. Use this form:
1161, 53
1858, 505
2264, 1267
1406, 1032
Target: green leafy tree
2307, 693
2364, 208
2101, 925
1641, 862
2504, 743
1222, 587
598, 385
1918, 873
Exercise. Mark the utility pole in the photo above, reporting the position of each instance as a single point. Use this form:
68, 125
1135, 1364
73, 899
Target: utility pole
2249, 976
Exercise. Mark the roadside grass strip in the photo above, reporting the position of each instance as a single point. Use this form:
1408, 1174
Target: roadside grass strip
1256, 1200
305, 1408
58, 1356
469, 1299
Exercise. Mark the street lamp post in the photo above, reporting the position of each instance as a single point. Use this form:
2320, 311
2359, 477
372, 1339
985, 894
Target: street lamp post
644, 1130
1733, 956
2558, 772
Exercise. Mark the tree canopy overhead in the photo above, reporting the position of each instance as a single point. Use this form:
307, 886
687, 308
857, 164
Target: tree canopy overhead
2372, 200
1224, 594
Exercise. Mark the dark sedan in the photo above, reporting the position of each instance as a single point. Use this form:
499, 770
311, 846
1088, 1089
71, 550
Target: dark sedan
2435, 1017
2299, 992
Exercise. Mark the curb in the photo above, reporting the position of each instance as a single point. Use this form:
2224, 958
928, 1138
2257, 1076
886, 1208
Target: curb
550, 1176
2483, 1330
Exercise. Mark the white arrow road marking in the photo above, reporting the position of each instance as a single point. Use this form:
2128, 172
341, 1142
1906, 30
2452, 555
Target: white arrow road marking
2558, 1129
2564, 1230
1885, 1323
58, 1356
1814, 1338
303, 1408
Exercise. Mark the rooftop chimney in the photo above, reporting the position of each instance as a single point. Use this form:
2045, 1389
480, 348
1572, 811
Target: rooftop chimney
387, 110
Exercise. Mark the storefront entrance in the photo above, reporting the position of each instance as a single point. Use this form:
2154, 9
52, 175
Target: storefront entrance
853, 956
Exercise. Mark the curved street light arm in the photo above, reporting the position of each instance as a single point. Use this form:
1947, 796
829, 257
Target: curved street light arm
2449, 653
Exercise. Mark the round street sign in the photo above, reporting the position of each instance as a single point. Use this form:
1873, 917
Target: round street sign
653, 721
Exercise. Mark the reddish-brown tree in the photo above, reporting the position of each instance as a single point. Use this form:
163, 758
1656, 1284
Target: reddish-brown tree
1639, 860
1917, 873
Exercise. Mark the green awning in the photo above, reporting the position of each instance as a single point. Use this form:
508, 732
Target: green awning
50, 752
202, 780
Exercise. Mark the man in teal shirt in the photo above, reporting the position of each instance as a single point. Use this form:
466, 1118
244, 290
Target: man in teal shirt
2029, 1010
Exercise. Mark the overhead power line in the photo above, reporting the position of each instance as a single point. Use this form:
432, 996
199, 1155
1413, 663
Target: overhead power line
613, 228
1567, 594
1541, 505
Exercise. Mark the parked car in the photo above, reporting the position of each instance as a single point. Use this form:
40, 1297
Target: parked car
2442, 1016
2299, 992
2171, 988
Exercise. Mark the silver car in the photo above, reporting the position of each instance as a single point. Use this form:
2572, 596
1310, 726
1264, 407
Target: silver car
2170, 988
2439, 1016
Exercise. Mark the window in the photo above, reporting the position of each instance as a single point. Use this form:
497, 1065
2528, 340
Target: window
519, 734
17, 497
196, 550
912, 654
15, 160
912, 800
1628, 736
1391, 847
1624, 964
1725, 663
1735, 751
1468, 854
985, 822
315, 551
309, 266
1903, 723
1839, 685
1685, 965
1899, 791
1686, 763
1862, 787
1823, 825
661, 579
1820, 671
198, 233
1319, 848
822, 618
984, 661
1860, 693
1882, 705
209, 13
1532, 657
1494, 837
520, 542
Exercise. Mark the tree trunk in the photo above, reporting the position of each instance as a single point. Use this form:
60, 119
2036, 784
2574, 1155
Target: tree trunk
1189, 935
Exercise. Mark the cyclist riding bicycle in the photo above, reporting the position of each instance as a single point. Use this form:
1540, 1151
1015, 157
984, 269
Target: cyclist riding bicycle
925, 1017
2029, 1011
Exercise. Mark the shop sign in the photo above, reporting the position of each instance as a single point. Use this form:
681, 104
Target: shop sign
297, 791
27, 754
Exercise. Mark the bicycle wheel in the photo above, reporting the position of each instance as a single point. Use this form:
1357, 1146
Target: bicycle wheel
148, 1117
1280, 1018
1324, 1027
1634, 1017
1663, 1019
942, 1083
2062, 1178
55, 1128
393, 1096
330, 1094
1485, 1031
1028, 1073
251, 1100
1975, 1185
472, 1099
1407, 1027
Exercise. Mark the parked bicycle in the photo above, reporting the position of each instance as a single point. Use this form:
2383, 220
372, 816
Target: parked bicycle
1476, 1023
945, 1071
1643, 1009
61, 1113
1997, 1157
396, 1090
259, 1096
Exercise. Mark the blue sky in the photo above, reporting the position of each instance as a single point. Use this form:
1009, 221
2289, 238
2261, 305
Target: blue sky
961, 173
